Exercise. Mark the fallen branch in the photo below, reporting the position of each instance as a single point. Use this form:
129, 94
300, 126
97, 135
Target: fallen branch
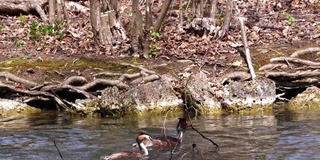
298, 74
305, 51
215, 144
55, 145
294, 60
271, 66
246, 47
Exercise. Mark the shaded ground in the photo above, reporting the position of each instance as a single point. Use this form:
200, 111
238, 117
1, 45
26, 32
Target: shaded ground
271, 26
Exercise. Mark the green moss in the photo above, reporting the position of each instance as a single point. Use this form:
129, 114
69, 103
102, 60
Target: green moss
27, 110
16, 64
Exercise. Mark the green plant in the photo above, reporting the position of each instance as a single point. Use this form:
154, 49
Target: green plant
43, 29
156, 35
154, 50
58, 25
19, 43
61, 35
33, 27
190, 18
22, 17
1, 28
221, 20
36, 30
51, 30
35, 36
290, 18
102, 9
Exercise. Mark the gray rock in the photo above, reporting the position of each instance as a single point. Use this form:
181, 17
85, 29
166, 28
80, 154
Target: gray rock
149, 96
10, 107
198, 94
308, 99
246, 94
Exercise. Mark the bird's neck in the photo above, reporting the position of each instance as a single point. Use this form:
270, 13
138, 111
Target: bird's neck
144, 148
180, 136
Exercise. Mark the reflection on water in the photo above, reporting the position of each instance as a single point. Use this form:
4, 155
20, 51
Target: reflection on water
283, 135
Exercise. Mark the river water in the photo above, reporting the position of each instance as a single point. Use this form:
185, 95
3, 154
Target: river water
283, 134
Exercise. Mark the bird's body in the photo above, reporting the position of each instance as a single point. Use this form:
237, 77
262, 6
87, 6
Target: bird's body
123, 155
168, 141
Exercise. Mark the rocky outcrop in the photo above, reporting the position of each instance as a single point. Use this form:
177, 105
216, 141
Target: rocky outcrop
309, 99
10, 107
125, 88
196, 90
241, 95
153, 96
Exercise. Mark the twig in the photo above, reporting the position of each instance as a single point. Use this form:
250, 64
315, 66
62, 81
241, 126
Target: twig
55, 145
217, 146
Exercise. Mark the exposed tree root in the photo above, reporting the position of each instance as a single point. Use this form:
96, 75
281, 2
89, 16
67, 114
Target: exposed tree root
103, 83
17, 79
294, 60
75, 81
65, 93
292, 72
23, 6
305, 51
10, 89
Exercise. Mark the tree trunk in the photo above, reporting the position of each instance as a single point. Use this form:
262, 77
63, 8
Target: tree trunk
65, 12
201, 8
227, 17
95, 20
163, 13
147, 29
136, 29
180, 14
213, 10
52, 4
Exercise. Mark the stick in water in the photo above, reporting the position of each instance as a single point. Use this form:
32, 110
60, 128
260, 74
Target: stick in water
55, 145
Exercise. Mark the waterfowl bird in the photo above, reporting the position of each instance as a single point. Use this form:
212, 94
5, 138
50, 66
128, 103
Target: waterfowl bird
121, 155
168, 141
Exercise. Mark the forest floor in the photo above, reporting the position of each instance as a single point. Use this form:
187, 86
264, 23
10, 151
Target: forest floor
270, 25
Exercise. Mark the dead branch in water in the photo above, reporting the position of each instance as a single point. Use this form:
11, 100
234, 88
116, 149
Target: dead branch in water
217, 146
55, 145
185, 98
